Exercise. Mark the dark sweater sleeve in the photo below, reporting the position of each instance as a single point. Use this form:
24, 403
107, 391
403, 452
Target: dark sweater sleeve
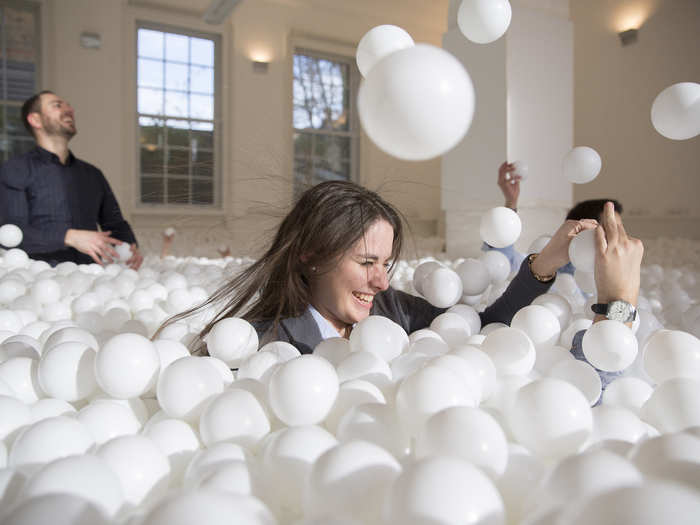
521, 291
110, 215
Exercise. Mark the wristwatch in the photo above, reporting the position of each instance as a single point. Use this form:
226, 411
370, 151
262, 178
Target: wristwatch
616, 310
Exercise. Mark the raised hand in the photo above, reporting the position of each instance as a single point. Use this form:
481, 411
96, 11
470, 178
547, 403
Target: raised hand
556, 253
509, 183
134, 262
618, 260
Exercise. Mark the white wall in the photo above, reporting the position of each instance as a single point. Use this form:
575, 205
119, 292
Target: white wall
524, 111
657, 179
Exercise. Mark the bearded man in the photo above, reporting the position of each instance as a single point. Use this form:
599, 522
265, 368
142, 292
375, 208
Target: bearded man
58, 200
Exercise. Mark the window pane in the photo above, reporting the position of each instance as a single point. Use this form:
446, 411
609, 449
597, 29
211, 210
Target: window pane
176, 76
178, 191
332, 148
178, 162
13, 123
202, 137
150, 43
175, 104
152, 190
202, 51
202, 192
150, 101
203, 164
326, 171
202, 79
178, 133
152, 131
152, 160
302, 144
18, 70
176, 47
150, 73
319, 93
202, 106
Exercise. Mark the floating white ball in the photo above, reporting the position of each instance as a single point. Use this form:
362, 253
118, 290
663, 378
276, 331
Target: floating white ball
484, 21
379, 42
10, 235
582, 251
675, 112
500, 227
417, 104
581, 165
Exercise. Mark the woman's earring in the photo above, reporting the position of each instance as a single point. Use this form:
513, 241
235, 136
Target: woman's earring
313, 269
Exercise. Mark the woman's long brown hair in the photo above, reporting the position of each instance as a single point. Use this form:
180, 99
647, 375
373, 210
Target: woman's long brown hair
324, 224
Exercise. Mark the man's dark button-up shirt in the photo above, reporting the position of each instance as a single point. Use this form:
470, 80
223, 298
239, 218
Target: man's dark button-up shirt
46, 198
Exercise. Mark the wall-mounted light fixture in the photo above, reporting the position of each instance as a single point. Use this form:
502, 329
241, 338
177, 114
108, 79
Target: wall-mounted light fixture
90, 40
628, 37
260, 67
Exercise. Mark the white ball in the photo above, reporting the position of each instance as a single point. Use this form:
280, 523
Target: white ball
586, 281
123, 251
127, 366
675, 112
46, 291
484, 21
15, 416
674, 405
363, 365
475, 276
86, 476
521, 169
511, 351
186, 386
556, 304
584, 475
582, 375
232, 340
442, 287
550, 417
177, 440
142, 468
482, 364
497, 265
340, 482
426, 392
467, 433
581, 165
538, 323
672, 353
107, 419
452, 328
421, 272
618, 424
380, 336
582, 251
213, 507
627, 392
67, 371
10, 235
235, 416
431, 490
20, 374
417, 104
50, 439
57, 509
16, 258
500, 227
334, 349
609, 345
376, 423
379, 42
302, 391
470, 314
288, 458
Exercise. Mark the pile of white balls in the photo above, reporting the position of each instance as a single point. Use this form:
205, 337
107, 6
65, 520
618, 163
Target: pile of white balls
457, 423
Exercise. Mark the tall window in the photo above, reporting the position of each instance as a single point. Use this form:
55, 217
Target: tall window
19, 70
325, 126
177, 81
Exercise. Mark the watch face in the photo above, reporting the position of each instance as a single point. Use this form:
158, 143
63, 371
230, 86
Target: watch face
619, 311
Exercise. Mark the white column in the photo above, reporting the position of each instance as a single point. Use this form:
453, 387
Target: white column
524, 111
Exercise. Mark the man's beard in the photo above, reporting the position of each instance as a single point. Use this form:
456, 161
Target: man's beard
57, 128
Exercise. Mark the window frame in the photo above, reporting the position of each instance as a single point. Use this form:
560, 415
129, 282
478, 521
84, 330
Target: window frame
36, 8
335, 52
217, 205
